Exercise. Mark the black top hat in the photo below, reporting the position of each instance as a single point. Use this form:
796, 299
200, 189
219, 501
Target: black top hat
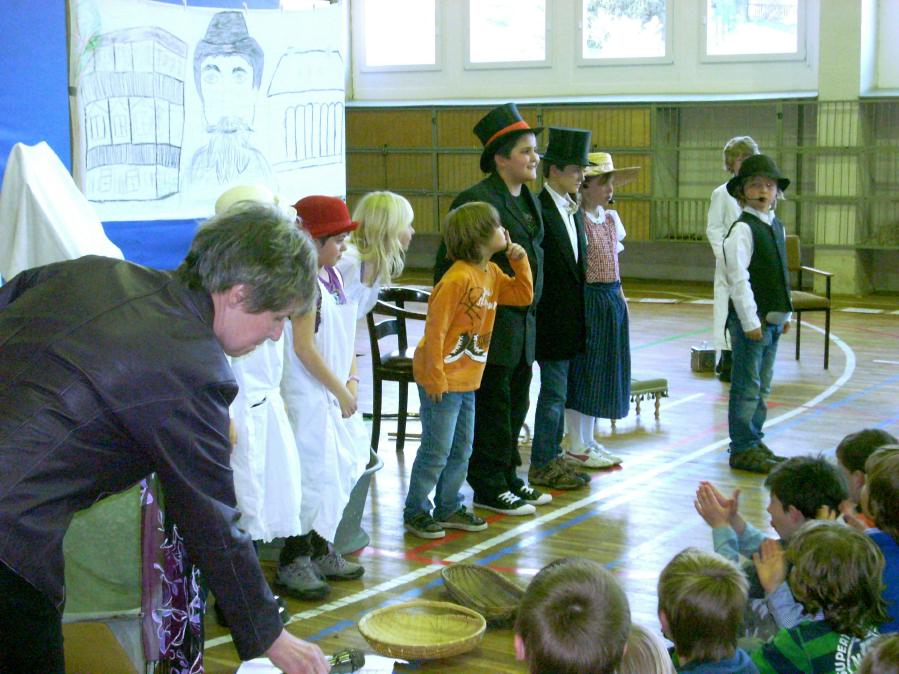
757, 165
498, 126
568, 146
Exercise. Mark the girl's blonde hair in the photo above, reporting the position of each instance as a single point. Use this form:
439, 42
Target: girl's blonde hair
381, 217
645, 654
736, 147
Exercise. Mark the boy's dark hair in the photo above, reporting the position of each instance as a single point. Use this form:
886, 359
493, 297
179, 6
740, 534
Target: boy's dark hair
504, 149
467, 228
807, 483
882, 470
855, 448
838, 571
703, 596
882, 657
573, 618
547, 165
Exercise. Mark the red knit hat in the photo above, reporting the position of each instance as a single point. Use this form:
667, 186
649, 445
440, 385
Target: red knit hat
324, 216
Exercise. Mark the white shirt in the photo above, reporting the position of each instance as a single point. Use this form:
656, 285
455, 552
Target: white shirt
567, 207
723, 211
738, 249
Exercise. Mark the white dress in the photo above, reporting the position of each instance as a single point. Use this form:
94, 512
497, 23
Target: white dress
351, 269
265, 462
723, 212
333, 450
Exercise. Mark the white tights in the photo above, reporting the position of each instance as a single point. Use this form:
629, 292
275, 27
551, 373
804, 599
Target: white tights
580, 428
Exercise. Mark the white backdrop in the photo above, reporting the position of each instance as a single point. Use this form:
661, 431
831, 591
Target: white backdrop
148, 145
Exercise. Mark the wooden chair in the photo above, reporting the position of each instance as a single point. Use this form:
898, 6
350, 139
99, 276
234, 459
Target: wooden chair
394, 365
808, 301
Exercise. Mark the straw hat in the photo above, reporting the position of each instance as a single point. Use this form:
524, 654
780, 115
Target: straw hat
601, 164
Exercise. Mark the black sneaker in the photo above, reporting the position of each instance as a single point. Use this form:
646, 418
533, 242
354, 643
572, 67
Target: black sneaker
531, 495
506, 503
753, 460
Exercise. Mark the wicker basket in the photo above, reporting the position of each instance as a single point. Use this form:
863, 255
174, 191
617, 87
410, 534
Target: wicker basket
489, 593
423, 630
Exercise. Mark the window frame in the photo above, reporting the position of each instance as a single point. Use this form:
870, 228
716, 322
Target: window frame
508, 65
800, 55
581, 61
363, 65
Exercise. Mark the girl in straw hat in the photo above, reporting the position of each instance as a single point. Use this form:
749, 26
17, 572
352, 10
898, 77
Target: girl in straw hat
599, 380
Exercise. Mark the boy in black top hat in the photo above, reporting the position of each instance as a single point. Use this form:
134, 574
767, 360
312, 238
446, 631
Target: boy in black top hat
501, 403
760, 306
560, 314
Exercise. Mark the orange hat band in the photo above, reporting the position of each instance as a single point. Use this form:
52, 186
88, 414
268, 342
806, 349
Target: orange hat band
502, 132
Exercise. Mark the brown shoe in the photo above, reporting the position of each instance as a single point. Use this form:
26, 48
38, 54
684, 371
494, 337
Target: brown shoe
753, 460
555, 475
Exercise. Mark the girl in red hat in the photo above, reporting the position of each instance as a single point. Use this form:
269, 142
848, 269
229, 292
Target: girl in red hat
320, 388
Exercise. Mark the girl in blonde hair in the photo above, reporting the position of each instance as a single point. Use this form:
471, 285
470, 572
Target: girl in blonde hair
645, 653
376, 251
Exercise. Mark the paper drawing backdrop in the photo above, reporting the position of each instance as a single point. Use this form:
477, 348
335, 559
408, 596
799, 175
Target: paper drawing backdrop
173, 104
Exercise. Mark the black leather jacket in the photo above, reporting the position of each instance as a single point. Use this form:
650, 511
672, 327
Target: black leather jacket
110, 371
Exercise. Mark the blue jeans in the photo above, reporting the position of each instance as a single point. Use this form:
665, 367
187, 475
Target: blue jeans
447, 430
750, 383
549, 418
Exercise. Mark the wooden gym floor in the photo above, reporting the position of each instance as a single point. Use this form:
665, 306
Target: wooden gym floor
633, 519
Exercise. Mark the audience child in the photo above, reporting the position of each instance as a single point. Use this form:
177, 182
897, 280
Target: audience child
835, 572
882, 657
560, 315
799, 488
599, 381
376, 249
723, 212
702, 598
645, 653
573, 618
760, 307
449, 363
510, 159
852, 453
320, 389
880, 500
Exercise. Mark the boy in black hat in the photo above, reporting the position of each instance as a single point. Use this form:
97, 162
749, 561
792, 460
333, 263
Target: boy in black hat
501, 403
560, 314
760, 307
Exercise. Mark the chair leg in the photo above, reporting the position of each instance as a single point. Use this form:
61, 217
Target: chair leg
798, 331
827, 339
401, 416
376, 415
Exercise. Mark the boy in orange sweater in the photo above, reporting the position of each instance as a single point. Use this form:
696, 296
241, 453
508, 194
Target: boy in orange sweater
449, 363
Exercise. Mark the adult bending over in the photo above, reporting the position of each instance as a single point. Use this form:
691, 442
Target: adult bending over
110, 371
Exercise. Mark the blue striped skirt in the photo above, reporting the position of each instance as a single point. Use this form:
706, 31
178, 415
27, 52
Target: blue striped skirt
599, 380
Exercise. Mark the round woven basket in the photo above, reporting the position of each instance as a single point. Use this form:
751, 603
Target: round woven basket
489, 593
423, 630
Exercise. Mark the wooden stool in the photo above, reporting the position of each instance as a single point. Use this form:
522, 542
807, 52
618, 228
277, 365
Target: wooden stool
642, 389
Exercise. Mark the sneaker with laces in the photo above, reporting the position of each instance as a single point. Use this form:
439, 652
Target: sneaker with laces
555, 475
587, 457
533, 496
301, 579
424, 526
463, 519
753, 460
334, 566
771, 455
506, 503
602, 451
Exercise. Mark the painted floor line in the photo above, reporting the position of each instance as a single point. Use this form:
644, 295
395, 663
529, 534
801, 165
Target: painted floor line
613, 492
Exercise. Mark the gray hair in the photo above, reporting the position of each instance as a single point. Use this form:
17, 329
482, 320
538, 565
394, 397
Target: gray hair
259, 246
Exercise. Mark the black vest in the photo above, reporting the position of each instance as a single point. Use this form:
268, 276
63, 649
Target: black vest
768, 275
